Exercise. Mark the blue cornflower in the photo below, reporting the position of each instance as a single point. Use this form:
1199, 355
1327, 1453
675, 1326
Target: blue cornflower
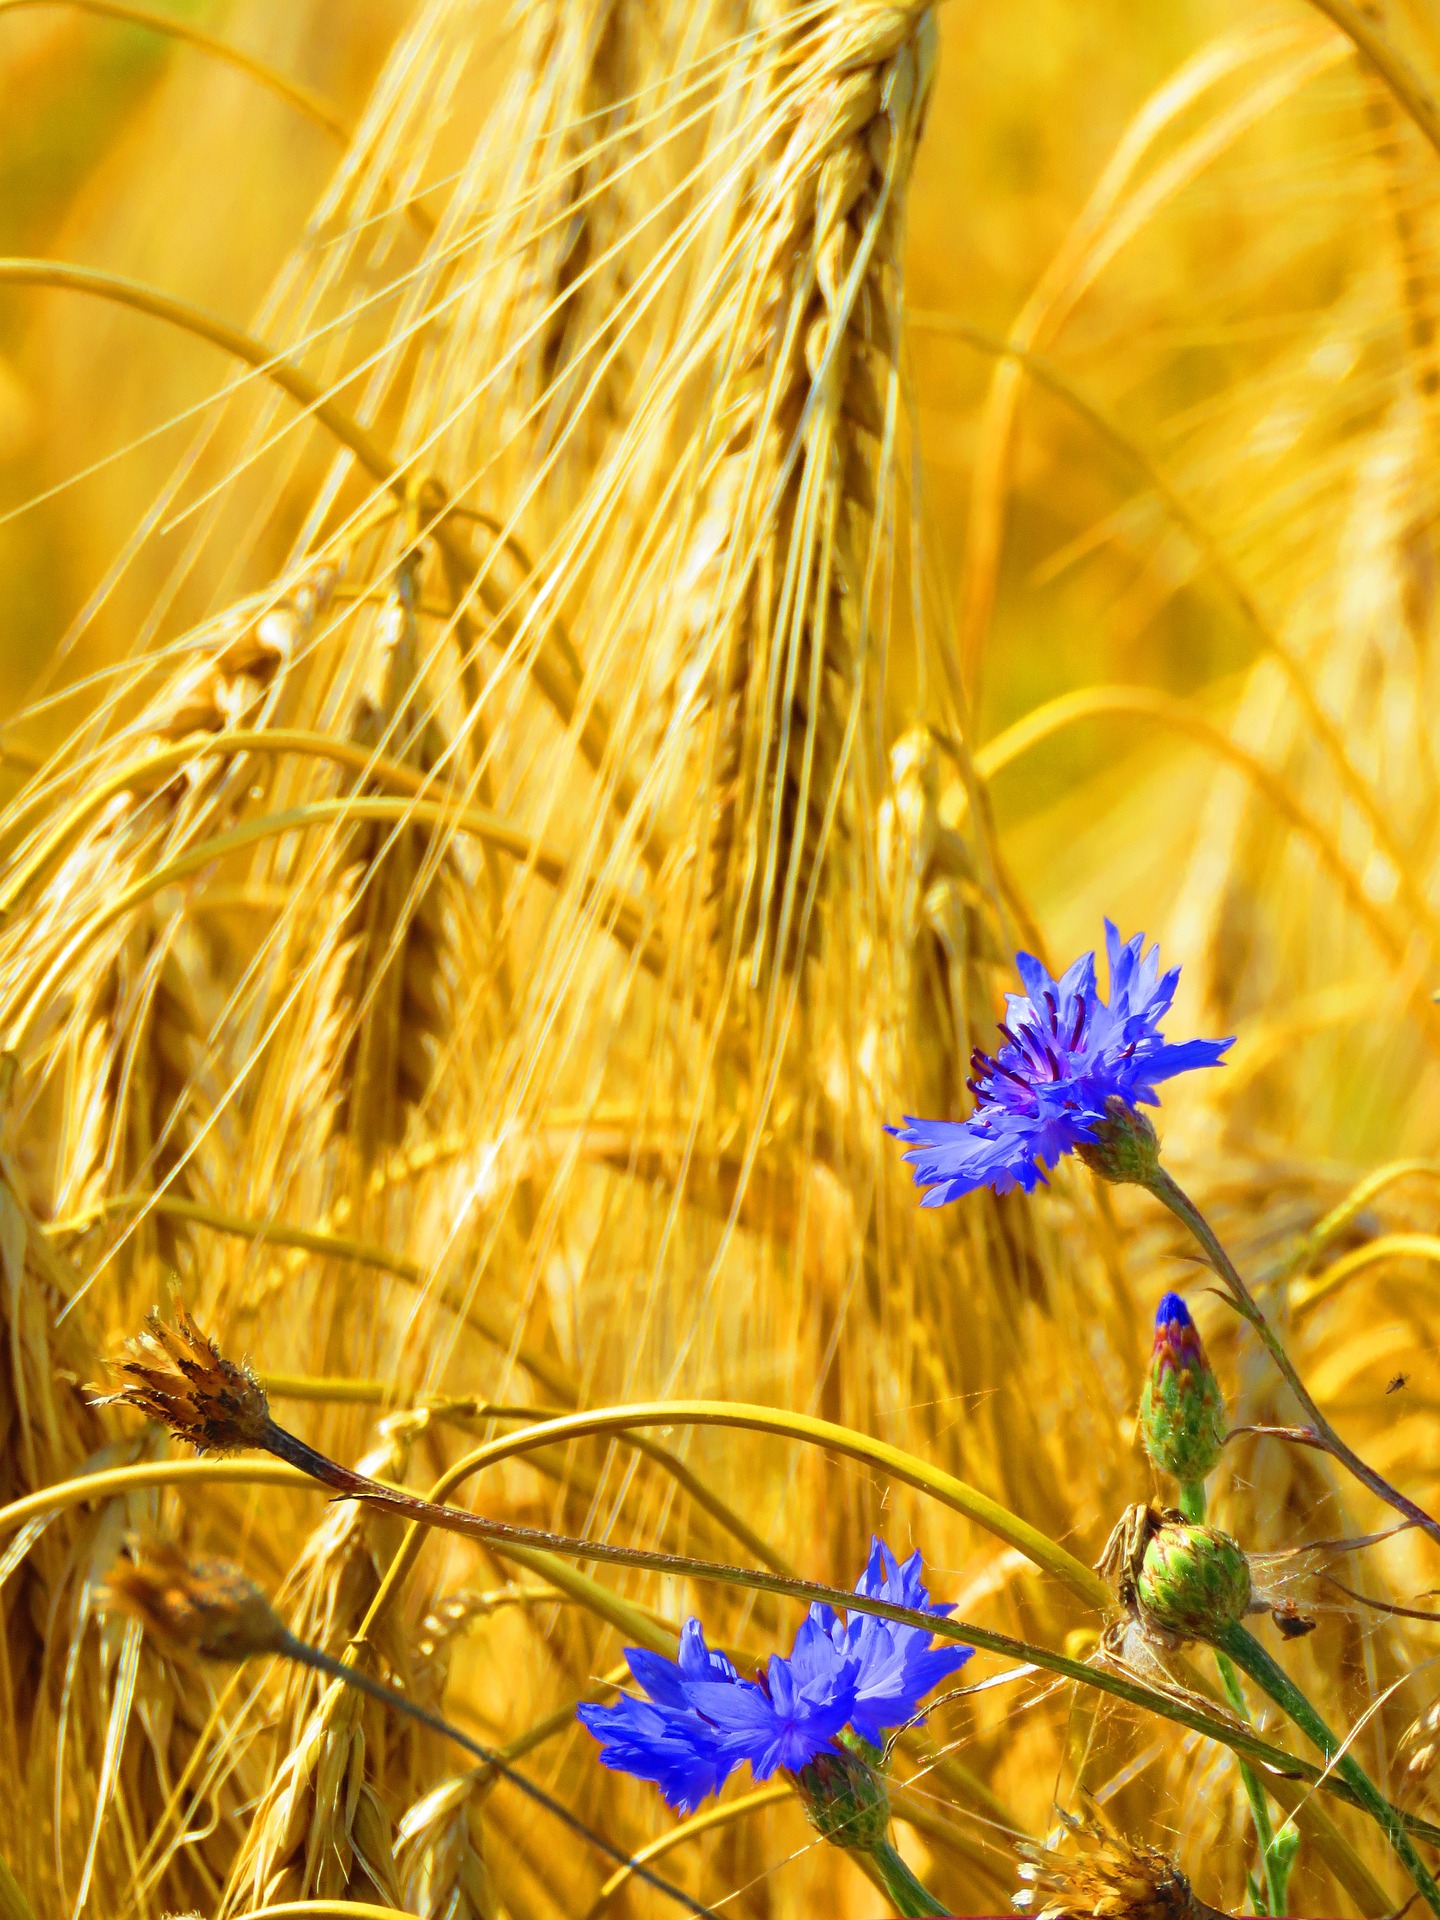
897, 1665
701, 1720
1065, 1054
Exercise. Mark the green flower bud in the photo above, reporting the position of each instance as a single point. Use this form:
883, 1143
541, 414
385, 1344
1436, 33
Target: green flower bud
1192, 1581
844, 1795
1182, 1411
1126, 1148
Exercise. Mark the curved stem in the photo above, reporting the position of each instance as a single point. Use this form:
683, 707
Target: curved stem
1401, 79
335, 1246
1173, 1196
1046, 374
1149, 703
912, 1900
1246, 1651
698, 1823
1287, 1768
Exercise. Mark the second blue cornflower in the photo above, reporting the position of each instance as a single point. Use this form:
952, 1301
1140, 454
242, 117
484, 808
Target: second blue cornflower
700, 1720
1066, 1056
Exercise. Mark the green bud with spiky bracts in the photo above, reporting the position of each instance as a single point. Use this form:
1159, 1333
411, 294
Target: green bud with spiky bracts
1126, 1148
1182, 1411
844, 1796
1193, 1581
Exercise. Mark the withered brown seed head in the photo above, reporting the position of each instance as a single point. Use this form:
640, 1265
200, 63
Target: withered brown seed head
204, 1607
1099, 1876
178, 1376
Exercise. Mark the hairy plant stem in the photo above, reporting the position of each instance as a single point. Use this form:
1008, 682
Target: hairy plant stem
1274, 1868
1247, 1653
1173, 1196
912, 1901
518, 1541
304, 1654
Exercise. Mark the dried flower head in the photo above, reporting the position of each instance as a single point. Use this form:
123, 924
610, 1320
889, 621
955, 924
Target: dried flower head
204, 1607
178, 1376
1085, 1874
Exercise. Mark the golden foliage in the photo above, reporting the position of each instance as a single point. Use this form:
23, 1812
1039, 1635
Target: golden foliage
501, 809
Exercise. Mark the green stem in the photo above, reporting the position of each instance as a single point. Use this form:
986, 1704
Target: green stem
1173, 1196
1192, 1505
1270, 1866
911, 1900
1247, 1653
1192, 1501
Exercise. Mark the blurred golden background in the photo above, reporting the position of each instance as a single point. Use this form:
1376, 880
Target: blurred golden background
1139, 619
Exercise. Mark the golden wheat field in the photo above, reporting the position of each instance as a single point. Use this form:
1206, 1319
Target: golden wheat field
576, 578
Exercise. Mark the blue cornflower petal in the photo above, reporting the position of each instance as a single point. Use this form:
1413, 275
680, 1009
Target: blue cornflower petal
804, 1703
898, 1665
1065, 1053
666, 1680
701, 1720
676, 1750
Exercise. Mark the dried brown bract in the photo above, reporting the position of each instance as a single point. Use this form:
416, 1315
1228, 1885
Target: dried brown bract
204, 1607
1085, 1874
180, 1378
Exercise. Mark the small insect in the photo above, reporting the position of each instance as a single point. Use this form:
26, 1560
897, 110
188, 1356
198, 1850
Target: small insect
1293, 1624
1400, 1380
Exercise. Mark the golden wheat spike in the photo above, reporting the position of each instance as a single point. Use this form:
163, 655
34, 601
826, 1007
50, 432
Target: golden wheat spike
805, 418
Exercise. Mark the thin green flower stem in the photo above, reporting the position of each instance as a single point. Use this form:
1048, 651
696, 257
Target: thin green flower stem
912, 1900
1247, 1653
1259, 1807
467, 1412
908, 1468
114, 1481
305, 1655
1171, 1195
1192, 1505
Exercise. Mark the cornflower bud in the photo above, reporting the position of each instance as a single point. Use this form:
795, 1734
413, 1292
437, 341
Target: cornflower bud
1193, 1580
1182, 1411
844, 1795
1125, 1147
